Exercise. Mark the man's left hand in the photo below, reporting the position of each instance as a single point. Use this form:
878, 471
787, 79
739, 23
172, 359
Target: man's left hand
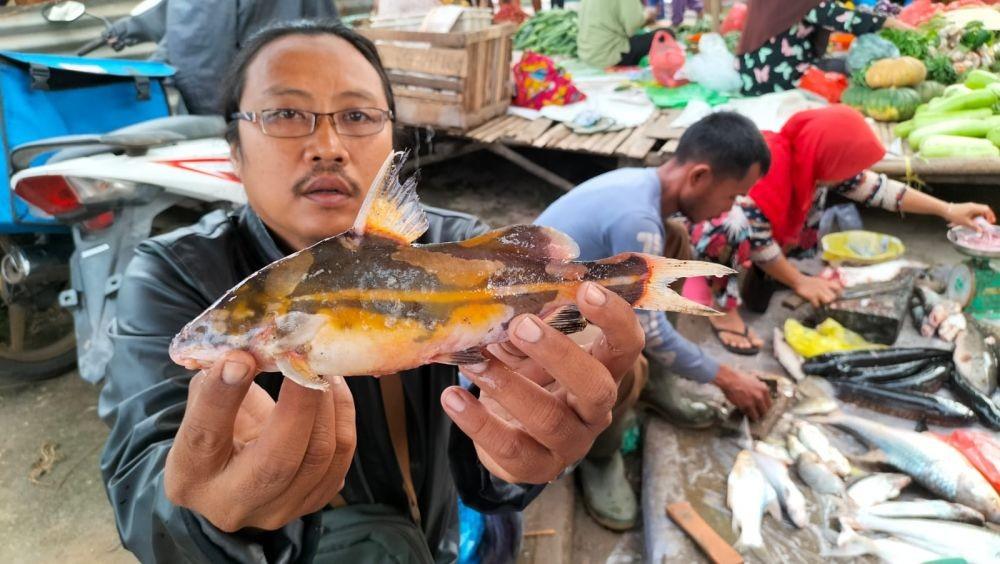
545, 399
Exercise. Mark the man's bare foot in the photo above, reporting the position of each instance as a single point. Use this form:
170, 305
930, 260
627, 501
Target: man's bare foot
731, 328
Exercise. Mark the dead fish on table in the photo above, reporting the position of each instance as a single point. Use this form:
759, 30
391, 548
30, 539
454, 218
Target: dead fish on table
815, 440
975, 359
818, 475
933, 463
926, 509
748, 495
788, 493
918, 406
987, 410
877, 488
975, 544
370, 302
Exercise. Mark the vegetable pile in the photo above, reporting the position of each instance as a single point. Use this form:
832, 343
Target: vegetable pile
551, 32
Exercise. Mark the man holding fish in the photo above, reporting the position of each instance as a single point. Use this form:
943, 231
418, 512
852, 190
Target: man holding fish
626, 210
318, 278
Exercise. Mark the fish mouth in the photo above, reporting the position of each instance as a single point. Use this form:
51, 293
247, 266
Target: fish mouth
329, 190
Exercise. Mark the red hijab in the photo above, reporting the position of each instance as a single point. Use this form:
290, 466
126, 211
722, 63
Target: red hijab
827, 145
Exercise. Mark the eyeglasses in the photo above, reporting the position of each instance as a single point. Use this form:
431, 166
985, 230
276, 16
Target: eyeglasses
288, 122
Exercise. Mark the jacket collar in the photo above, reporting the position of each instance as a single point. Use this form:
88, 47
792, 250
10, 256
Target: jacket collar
264, 243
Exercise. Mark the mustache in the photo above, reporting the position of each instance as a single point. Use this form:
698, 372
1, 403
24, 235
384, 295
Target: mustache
300, 185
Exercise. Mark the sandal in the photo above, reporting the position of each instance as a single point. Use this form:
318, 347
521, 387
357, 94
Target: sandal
746, 351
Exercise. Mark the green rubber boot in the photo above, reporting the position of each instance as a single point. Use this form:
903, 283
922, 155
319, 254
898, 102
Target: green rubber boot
662, 395
607, 495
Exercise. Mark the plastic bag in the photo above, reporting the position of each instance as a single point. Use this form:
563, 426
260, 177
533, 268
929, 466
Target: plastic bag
539, 82
666, 58
842, 217
714, 67
735, 20
829, 85
827, 337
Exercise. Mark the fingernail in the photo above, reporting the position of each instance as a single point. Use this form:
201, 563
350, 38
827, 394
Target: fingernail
477, 368
528, 330
594, 295
454, 401
234, 372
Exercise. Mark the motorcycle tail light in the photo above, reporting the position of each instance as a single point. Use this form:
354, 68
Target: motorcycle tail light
101, 191
99, 222
52, 194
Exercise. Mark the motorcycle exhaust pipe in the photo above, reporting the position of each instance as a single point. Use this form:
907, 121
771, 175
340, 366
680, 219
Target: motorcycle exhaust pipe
37, 264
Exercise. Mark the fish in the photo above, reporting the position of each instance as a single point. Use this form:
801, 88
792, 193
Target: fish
891, 550
851, 276
815, 397
977, 545
795, 447
926, 509
918, 406
931, 462
815, 406
748, 495
975, 359
371, 302
877, 488
889, 372
816, 441
777, 452
831, 363
981, 449
787, 357
789, 496
985, 408
928, 380
818, 475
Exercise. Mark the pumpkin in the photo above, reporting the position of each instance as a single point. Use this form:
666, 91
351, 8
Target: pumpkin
891, 104
854, 96
902, 71
929, 89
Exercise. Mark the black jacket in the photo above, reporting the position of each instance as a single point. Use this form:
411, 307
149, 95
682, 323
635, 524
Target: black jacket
171, 280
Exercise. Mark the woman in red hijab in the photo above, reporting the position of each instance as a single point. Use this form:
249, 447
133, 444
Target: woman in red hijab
815, 152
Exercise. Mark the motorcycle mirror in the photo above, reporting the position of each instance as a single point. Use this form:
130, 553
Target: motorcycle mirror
64, 12
143, 7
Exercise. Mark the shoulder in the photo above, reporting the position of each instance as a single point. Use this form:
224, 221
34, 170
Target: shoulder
448, 225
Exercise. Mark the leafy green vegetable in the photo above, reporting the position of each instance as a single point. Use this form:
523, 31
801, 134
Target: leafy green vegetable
976, 36
940, 69
914, 44
552, 32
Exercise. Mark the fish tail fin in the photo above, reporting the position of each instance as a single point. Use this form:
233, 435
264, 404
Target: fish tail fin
644, 280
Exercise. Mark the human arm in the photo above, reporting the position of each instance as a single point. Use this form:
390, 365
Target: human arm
834, 17
632, 15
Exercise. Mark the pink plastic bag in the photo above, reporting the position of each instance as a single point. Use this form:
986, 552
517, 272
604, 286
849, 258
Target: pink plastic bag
735, 20
666, 57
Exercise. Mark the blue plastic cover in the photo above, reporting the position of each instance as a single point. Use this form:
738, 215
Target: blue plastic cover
101, 96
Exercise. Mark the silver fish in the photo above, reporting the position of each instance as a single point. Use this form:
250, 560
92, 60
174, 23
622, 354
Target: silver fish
926, 509
816, 441
890, 550
787, 357
795, 447
931, 462
818, 475
975, 359
774, 451
748, 495
877, 488
788, 493
978, 545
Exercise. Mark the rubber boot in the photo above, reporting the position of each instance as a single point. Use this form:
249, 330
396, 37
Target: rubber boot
662, 395
607, 495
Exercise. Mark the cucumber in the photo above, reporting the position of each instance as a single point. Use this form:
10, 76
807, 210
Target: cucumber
984, 98
941, 146
962, 127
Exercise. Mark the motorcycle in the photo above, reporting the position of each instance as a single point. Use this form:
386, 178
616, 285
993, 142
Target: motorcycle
87, 199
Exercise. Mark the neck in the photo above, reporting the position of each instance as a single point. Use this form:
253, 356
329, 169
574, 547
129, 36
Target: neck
670, 175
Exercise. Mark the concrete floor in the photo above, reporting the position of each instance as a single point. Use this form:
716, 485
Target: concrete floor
66, 518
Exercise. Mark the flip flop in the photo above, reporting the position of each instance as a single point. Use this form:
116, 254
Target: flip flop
752, 350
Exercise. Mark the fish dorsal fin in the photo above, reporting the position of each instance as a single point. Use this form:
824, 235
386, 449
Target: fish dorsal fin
391, 209
528, 241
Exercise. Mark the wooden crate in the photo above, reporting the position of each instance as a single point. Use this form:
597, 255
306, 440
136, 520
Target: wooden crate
453, 81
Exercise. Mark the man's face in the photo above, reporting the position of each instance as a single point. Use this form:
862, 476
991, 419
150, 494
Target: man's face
306, 189
705, 195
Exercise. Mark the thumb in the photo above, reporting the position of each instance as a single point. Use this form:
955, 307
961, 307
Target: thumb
214, 398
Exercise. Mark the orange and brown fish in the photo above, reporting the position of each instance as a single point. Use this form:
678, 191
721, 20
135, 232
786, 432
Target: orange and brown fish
370, 302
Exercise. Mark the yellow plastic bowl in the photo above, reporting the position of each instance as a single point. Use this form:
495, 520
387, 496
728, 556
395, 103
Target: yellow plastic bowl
861, 247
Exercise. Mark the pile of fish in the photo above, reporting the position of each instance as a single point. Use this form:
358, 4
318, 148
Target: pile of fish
904, 381
871, 522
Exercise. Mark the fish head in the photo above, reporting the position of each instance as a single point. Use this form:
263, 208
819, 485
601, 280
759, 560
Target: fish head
207, 340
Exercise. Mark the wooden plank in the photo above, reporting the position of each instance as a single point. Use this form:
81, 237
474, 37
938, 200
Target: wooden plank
431, 60
484, 127
609, 146
425, 81
670, 147
441, 96
451, 39
533, 130
513, 129
491, 127
640, 146
552, 136
657, 126
570, 142
500, 131
717, 549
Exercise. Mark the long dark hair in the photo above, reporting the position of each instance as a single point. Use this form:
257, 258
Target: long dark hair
235, 80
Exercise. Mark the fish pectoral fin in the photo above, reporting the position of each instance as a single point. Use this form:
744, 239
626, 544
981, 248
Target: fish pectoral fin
295, 366
391, 209
873, 457
567, 320
528, 241
468, 356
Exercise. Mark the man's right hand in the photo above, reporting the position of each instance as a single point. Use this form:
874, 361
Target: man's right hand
242, 460
745, 391
818, 291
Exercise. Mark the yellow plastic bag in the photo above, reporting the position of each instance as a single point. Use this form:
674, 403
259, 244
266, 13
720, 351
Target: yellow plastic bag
828, 337
861, 247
